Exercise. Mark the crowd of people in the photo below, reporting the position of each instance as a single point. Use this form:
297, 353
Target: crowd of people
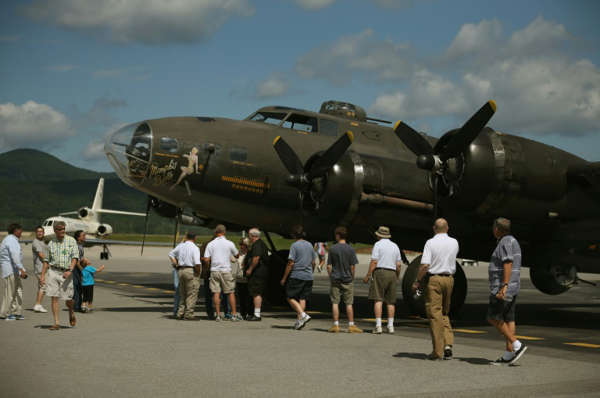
231, 277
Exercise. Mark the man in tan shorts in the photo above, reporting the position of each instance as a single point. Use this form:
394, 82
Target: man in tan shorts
57, 274
218, 254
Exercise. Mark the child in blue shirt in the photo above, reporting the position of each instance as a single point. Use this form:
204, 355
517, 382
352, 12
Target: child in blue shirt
87, 283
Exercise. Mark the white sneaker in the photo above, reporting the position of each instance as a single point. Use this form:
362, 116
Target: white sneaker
390, 329
39, 308
377, 330
303, 321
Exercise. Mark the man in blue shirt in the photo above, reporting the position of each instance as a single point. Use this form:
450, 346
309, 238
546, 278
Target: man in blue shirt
504, 276
300, 267
11, 261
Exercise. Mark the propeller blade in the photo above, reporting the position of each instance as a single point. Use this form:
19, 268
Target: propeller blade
146, 224
412, 139
331, 156
468, 132
288, 157
436, 179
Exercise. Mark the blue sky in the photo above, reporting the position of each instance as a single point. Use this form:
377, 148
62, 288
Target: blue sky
71, 71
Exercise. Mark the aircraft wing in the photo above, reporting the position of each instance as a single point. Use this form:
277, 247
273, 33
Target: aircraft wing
98, 242
124, 213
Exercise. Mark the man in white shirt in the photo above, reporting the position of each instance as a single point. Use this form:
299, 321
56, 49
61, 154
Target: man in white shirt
11, 262
439, 263
218, 254
185, 258
385, 267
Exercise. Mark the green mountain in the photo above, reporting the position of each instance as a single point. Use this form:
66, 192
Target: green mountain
35, 185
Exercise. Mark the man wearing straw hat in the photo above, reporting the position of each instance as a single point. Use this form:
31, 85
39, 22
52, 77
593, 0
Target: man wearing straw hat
384, 272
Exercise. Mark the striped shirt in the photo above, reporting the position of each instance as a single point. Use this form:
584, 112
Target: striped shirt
60, 254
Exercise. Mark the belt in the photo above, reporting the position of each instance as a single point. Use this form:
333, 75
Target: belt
385, 269
183, 267
439, 274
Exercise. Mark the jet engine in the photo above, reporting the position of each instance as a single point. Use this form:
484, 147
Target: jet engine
104, 230
86, 213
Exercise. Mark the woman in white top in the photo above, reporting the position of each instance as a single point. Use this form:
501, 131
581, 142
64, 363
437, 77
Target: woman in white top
241, 281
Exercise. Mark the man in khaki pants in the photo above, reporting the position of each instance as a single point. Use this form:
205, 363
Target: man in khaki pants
185, 258
439, 263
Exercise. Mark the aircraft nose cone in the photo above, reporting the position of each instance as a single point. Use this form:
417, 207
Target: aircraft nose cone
129, 151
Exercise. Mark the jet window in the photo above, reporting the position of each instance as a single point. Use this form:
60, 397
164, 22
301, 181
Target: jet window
308, 124
328, 127
169, 145
238, 154
268, 117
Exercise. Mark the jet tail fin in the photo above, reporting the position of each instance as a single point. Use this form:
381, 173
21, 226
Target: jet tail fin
97, 205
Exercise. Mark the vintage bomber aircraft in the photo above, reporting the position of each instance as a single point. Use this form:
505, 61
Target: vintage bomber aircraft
338, 166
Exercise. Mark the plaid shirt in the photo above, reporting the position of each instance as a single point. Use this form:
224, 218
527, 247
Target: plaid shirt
60, 254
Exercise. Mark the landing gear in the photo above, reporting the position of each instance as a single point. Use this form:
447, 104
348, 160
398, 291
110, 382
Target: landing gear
105, 253
417, 304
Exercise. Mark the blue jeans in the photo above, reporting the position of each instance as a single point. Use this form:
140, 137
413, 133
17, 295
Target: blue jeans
176, 295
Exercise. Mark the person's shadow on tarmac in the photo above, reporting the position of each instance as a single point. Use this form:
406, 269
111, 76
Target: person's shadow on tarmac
421, 356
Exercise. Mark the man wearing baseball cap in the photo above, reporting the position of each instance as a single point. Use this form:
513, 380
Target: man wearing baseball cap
384, 272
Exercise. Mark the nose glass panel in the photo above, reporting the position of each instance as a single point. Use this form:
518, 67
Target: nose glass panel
129, 151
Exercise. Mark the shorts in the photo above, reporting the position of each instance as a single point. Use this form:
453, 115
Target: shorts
57, 286
38, 276
257, 286
383, 286
88, 293
343, 291
221, 281
501, 310
321, 257
298, 289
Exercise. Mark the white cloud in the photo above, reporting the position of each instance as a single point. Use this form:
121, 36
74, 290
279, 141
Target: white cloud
357, 54
93, 151
314, 4
538, 87
274, 86
152, 22
472, 38
32, 125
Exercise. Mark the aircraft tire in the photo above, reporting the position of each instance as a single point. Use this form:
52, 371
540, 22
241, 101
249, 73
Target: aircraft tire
545, 281
275, 292
417, 305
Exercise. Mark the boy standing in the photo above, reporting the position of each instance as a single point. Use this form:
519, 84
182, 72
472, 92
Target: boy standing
300, 267
341, 264
87, 284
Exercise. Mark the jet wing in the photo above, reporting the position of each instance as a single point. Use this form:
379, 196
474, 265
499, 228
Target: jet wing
101, 242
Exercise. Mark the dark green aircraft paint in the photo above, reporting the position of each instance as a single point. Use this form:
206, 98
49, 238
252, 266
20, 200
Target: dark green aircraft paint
229, 171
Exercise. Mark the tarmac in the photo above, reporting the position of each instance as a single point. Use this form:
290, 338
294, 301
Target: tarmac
130, 346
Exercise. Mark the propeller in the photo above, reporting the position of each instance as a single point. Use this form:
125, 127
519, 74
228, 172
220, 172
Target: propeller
435, 159
148, 206
301, 176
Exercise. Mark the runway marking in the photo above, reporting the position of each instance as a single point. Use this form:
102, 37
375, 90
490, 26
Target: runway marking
529, 338
169, 291
315, 312
99, 280
469, 331
110, 282
152, 288
586, 345
138, 286
123, 284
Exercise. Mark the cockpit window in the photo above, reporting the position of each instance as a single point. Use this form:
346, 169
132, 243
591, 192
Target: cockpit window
268, 117
308, 124
169, 145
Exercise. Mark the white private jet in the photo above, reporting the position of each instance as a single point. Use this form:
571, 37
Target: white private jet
89, 222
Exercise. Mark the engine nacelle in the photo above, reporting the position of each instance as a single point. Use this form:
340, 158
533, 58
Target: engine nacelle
104, 230
85, 213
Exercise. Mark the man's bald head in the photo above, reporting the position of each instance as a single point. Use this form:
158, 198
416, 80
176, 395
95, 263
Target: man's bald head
440, 226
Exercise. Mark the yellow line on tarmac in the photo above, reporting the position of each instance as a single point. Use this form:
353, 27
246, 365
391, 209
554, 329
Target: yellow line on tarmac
469, 331
123, 284
110, 282
529, 338
314, 312
138, 286
169, 291
586, 345
99, 280
152, 288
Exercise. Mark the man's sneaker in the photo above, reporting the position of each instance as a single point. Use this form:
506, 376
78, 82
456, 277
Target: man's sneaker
218, 318
39, 308
390, 329
297, 324
302, 322
20, 318
448, 352
377, 330
354, 329
236, 318
518, 354
10, 318
501, 361
334, 329
254, 318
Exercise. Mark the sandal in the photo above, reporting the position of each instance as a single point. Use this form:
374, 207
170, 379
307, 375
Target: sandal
54, 327
72, 320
